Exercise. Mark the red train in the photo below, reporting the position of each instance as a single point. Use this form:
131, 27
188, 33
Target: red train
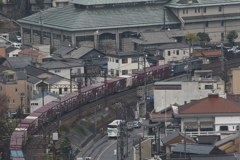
49, 111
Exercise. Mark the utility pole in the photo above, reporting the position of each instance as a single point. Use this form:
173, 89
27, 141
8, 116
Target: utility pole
43, 92
106, 88
145, 83
140, 149
71, 80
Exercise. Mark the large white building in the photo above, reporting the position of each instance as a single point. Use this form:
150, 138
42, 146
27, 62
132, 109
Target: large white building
116, 23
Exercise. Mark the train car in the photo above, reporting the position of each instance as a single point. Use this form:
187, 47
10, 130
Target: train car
129, 80
88, 94
32, 121
134, 79
100, 90
186, 65
68, 102
121, 83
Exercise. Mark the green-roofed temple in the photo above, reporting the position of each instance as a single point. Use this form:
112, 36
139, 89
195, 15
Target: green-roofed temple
115, 23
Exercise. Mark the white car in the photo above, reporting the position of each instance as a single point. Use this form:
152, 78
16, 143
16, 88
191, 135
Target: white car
18, 38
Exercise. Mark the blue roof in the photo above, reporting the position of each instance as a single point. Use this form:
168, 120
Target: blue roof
45, 93
16, 154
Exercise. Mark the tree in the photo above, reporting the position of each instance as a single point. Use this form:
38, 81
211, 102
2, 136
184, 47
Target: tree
191, 38
231, 36
40, 4
52, 49
65, 147
3, 106
204, 37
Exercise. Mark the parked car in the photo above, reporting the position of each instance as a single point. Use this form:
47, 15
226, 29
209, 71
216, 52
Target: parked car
18, 38
137, 124
130, 126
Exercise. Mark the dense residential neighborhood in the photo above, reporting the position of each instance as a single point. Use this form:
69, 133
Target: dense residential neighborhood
123, 79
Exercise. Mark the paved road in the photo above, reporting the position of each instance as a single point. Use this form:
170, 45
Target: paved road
105, 148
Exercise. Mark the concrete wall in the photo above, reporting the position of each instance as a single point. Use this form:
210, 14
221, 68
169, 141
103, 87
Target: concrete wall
189, 91
231, 121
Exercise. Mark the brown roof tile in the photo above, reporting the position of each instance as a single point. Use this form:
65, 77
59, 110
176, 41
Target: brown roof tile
210, 105
207, 53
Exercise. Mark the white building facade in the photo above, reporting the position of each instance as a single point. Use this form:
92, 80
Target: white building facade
126, 63
166, 93
38, 102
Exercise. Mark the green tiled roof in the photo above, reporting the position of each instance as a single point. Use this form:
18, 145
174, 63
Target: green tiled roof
98, 2
167, 83
70, 18
200, 3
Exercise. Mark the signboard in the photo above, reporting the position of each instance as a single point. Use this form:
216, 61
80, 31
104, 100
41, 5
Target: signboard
55, 136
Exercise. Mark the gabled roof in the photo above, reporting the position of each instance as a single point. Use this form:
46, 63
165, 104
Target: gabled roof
176, 137
154, 37
172, 46
34, 80
54, 79
21, 75
213, 53
196, 149
63, 50
226, 140
56, 65
40, 95
3, 68
213, 157
19, 62
80, 52
70, 18
213, 104
208, 139
33, 71
30, 52
10, 49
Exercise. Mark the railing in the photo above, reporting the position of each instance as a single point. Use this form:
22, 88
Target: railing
205, 133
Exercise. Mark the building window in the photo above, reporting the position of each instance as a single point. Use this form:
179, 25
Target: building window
205, 10
134, 59
222, 23
186, 11
169, 53
124, 72
183, 11
116, 60
173, 51
195, 10
124, 60
16, 89
208, 86
223, 128
206, 24
65, 89
177, 52
117, 72
13, 101
112, 71
198, 10
219, 9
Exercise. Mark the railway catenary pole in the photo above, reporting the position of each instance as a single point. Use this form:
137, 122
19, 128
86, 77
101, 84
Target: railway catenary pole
79, 96
106, 88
